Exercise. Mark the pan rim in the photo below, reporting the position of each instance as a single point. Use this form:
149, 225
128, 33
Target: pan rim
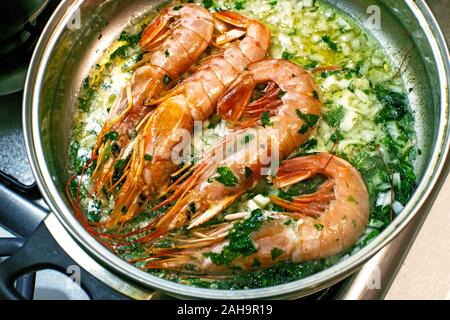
55, 200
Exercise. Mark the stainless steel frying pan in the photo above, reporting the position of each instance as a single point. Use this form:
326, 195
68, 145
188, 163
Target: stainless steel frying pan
70, 46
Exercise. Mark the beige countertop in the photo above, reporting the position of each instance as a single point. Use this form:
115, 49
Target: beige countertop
425, 273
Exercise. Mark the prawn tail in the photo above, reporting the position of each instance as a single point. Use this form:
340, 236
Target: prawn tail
234, 105
157, 31
233, 102
297, 170
233, 18
239, 25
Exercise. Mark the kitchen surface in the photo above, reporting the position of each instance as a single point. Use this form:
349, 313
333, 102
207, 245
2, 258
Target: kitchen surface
422, 275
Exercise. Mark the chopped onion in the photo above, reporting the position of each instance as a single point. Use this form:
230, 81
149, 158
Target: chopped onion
397, 207
261, 201
396, 179
384, 199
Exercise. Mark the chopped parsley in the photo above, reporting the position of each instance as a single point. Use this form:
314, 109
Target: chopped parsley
265, 119
256, 263
167, 80
326, 74
239, 5
309, 119
287, 55
318, 226
119, 168
208, 3
276, 252
148, 157
226, 177
240, 241
311, 65
315, 94
248, 172
111, 136
333, 45
247, 138
310, 144
394, 105
132, 39
334, 117
167, 53
351, 199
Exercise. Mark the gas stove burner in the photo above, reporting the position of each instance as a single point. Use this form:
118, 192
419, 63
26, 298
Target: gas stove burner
17, 45
15, 54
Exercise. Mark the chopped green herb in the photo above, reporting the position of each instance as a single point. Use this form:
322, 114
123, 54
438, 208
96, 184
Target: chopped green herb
94, 214
148, 157
309, 118
310, 121
333, 45
287, 55
177, 8
119, 168
310, 144
167, 53
273, 3
132, 39
373, 234
315, 94
115, 149
256, 263
111, 136
335, 116
240, 241
304, 129
192, 209
226, 177
318, 226
265, 119
281, 94
167, 80
248, 172
121, 52
336, 136
395, 105
208, 3
311, 65
239, 5
247, 138
326, 74
276, 252
351, 199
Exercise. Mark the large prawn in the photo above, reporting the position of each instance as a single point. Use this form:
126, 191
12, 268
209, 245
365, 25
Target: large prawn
244, 41
292, 107
315, 226
172, 44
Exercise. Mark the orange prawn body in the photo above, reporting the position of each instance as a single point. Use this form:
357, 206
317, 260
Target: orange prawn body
194, 99
172, 44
